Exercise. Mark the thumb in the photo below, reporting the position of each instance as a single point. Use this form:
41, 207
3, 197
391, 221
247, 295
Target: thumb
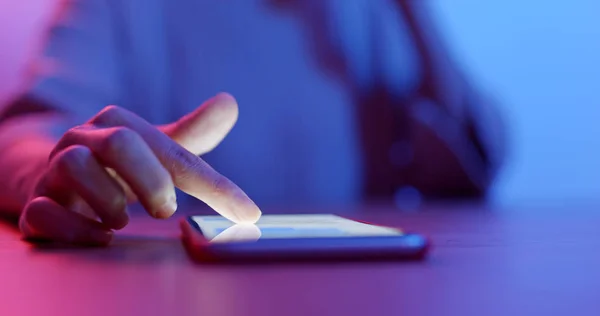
203, 129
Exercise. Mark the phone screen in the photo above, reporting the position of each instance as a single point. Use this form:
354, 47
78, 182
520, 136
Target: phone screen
218, 229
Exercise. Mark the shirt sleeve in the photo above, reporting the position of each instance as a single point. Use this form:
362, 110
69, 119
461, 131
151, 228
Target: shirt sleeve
76, 69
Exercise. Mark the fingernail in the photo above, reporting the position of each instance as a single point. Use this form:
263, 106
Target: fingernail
167, 209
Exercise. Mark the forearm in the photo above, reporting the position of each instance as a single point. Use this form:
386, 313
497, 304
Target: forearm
25, 143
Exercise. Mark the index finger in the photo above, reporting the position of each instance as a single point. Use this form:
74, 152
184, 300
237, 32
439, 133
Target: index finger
190, 173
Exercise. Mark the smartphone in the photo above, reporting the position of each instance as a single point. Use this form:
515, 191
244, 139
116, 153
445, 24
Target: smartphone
297, 237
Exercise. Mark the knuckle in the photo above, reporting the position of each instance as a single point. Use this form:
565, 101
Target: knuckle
72, 158
112, 111
177, 153
72, 132
110, 115
71, 136
188, 166
183, 162
219, 185
118, 139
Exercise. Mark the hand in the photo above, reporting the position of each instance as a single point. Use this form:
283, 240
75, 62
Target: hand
116, 157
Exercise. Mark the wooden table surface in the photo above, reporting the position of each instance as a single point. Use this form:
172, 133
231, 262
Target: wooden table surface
485, 261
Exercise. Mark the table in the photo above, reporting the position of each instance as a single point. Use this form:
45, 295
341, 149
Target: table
526, 260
